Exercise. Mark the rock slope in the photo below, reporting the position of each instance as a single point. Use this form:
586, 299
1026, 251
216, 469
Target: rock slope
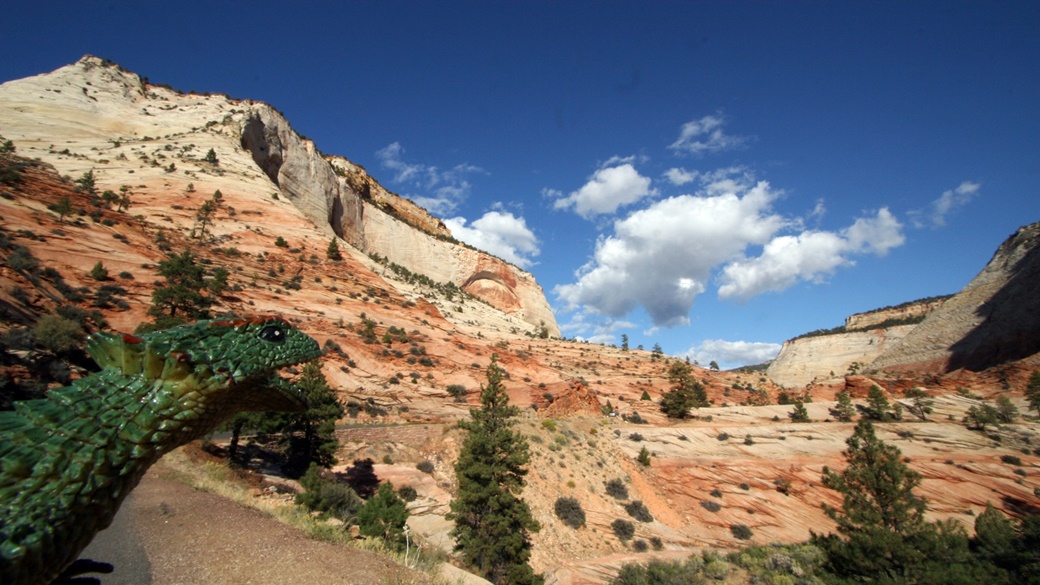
95, 115
993, 320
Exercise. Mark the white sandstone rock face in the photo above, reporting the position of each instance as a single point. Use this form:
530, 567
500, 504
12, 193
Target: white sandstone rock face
94, 115
824, 357
994, 319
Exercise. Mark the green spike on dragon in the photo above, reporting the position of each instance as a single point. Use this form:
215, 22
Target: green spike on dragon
68, 461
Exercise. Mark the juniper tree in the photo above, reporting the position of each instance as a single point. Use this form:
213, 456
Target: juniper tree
844, 410
492, 523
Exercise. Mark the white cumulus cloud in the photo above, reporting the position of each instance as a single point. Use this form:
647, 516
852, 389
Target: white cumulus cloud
706, 136
731, 354
661, 257
500, 233
952, 199
606, 190
441, 190
810, 256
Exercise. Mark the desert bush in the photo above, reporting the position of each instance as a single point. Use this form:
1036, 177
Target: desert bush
635, 437
58, 333
425, 466
616, 489
327, 496
711, 506
740, 531
716, 493
569, 510
640, 545
407, 493
1011, 459
623, 529
639, 511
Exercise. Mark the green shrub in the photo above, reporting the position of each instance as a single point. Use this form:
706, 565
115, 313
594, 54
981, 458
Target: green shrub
616, 489
640, 545
407, 493
327, 496
741, 531
569, 510
57, 333
425, 466
639, 511
658, 572
1011, 459
711, 506
623, 529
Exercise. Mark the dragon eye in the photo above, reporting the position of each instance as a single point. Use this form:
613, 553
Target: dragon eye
272, 333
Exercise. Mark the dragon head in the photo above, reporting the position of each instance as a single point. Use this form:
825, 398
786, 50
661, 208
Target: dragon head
231, 362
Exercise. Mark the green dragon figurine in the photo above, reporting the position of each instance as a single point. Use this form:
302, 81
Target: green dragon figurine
68, 461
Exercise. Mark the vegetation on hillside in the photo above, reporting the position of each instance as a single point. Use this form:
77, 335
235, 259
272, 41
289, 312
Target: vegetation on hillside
492, 523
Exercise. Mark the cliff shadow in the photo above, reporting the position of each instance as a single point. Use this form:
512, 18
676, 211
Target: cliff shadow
1010, 327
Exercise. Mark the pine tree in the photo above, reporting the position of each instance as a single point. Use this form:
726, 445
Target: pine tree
686, 392
309, 436
1033, 391
878, 407
1007, 412
384, 516
799, 414
181, 293
882, 532
492, 524
844, 410
63, 207
921, 405
333, 252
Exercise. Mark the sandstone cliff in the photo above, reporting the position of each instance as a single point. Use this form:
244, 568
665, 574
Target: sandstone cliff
805, 360
94, 115
994, 319
828, 355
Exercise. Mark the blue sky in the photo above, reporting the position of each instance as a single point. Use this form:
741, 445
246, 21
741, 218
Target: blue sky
714, 177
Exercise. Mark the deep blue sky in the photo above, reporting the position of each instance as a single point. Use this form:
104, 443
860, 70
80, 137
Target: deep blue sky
696, 174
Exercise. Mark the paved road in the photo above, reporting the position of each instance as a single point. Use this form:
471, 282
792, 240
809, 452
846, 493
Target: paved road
167, 533
119, 546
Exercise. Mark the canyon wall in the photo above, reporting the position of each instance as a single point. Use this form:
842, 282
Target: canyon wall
994, 319
822, 357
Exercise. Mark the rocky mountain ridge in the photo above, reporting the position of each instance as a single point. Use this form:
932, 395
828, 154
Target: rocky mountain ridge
114, 115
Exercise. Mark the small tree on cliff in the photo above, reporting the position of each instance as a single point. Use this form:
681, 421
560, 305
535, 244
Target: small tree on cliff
492, 524
845, 410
